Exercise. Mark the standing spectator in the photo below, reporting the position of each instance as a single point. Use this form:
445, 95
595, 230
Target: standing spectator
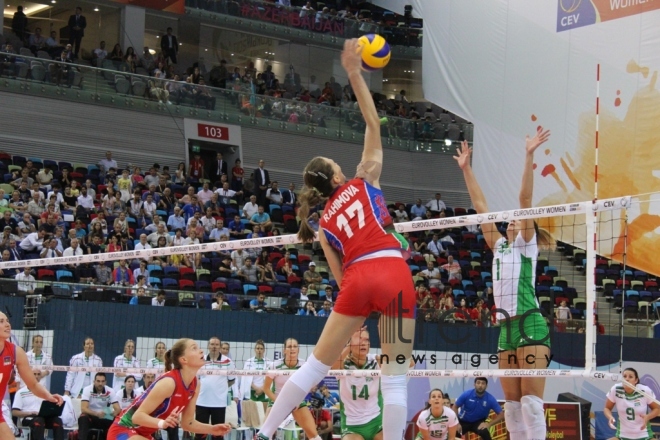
125, 360
261, 182
19, 23
436, 205
76, 381
563, 313
218, 75
252, 387
37, 357
98, 407
218, 168
77, 25
26, 406
213, 397
196, 171
237, 173
473, 408
169, 45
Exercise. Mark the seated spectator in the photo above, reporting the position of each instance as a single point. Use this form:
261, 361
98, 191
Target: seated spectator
453, 269
259, 303
99, 406
262, 219
122, 275
196, 227
26, 282
432, 275
53, 46
311, 276
249, 272
26, 225
250, 208
147, 60
8, 220
102, 274
308, 309
435, 247
117, 55
220, 303
268, 274
44, 178
7, 237
149, 207
160, 232
159, 299
274, 195
202, 96
99, 54
26, 406
436, 205
326, 310
400, 214
463, 313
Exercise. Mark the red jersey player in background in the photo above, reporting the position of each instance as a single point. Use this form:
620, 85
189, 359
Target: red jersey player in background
367, 263
12, 355
172, 394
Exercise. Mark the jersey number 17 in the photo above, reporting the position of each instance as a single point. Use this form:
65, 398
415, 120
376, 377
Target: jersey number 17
356, 208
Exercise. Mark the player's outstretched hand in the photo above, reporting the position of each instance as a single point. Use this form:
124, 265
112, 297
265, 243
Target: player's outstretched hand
542, 136
56, 398
351, 57
463, 157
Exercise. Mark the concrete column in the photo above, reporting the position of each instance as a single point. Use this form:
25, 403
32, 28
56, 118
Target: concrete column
131, 28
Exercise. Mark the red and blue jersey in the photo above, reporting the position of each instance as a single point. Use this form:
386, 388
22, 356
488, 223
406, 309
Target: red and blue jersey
178, 400
355, 220
7, 363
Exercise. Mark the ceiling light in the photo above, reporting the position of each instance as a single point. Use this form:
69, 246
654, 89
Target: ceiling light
96, 9
448, 142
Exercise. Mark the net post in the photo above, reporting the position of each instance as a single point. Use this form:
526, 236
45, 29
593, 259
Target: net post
590, 273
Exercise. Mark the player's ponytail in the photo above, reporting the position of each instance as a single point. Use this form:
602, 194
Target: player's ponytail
174, 354
544, 240
317, 176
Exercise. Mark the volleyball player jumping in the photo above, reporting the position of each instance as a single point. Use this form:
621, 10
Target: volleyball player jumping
173, 394
524, 336
367, 263
14, 356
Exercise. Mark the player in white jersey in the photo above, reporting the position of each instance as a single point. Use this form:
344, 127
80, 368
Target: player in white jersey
252, 387
437, 421
125, 360
37, 357
633, 408
361, 402
524, 335
159, 360
76, 381
273, 385
126, 396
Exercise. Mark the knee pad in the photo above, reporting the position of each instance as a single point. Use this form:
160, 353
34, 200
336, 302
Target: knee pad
532, 411
394, 390
310, 374
513, 417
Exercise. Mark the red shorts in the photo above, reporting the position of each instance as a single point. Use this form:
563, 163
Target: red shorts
117, 432
377, 285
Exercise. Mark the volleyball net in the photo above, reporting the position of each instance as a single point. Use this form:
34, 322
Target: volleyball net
452, 341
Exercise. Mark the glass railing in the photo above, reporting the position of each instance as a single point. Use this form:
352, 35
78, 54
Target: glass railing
114, 86
296, 18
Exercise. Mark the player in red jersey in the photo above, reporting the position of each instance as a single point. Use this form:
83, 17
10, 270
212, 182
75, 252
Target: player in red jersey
366, 260
12, 355
172, 394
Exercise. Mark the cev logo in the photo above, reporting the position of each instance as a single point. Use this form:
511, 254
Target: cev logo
574, 4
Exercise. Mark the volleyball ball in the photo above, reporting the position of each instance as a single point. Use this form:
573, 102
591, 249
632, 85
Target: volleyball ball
375, 53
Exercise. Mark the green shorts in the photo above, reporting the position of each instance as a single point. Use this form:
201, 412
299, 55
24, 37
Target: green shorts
529, 330
368, 431
261, 398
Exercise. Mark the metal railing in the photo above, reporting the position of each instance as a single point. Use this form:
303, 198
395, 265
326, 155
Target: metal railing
113, 85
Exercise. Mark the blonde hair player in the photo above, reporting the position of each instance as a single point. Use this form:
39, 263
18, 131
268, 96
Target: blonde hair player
360, 397
633, 408
514, 273
173, 394
14, 356
437, 421
273, 387
356, 233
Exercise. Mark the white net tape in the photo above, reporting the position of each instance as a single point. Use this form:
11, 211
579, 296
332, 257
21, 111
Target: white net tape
475, 219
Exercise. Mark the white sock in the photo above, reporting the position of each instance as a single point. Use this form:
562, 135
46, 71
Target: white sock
534, 417
293, 393
514, 421
395, 409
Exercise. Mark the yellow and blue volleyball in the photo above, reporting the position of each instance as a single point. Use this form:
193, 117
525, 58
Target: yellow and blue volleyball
376, 52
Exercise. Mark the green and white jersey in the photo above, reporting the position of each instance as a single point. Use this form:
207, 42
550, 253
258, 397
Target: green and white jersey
514, 276
631, 409
279, 381
437, 426
360, 398
156, 363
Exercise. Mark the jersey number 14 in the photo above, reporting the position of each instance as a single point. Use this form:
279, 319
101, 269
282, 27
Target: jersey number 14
364, 392
356, 208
